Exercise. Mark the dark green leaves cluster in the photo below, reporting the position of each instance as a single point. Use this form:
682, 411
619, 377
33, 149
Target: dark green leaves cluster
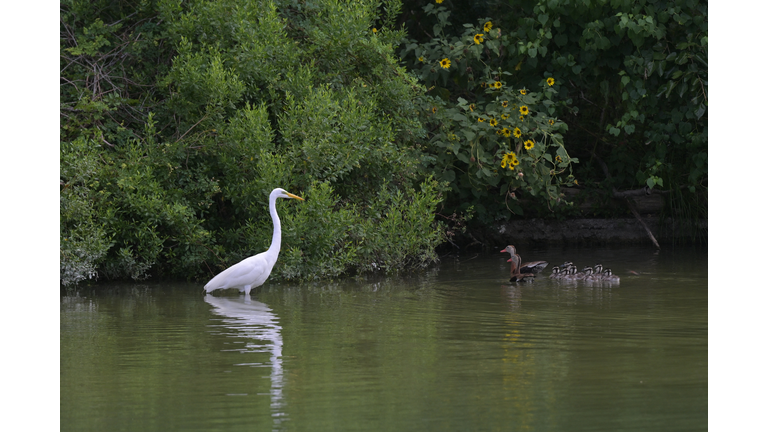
204, 107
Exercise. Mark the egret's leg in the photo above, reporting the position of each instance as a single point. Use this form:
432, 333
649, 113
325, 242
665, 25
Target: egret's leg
247, 290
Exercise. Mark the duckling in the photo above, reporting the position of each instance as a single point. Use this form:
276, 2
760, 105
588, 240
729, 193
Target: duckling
608, 276
598, 269
529, 267
565, 265
570, 273
594, 274
583, 273
555, 273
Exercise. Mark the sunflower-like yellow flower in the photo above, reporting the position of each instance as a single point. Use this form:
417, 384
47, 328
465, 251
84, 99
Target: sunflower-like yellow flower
434, 110
524, 110
479, 38
505, 132
438, 1
522, 118
445, 63
504, 104
509, 159
488, 26
421, 59
551, 122
518, 133
523, 91
558, 159
471, 107
374, 30
504, 116
480, 119
497, 85
493, 122
528, 144
551, 81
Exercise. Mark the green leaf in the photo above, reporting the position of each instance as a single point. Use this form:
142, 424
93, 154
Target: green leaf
614, 131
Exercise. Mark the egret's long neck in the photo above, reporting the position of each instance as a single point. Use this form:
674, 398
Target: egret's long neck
274, 248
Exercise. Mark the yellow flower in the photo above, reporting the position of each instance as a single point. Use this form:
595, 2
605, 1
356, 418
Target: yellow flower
434, 110
506, 132
374, 30
480, 119
504, 104
421, 59
558, 159
504, 116
523, 109
528, 144
518, 133
471, 107
551, 81
551, 122
438, 1
493, 122
522, 118
497, 85
487, 27
445, 63
479, 38
523, 92
509, 159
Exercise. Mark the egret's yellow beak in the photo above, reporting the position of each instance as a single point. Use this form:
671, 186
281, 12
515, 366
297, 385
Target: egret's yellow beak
294, 196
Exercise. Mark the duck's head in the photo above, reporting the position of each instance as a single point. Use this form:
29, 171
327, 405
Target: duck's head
598, 268
510, 250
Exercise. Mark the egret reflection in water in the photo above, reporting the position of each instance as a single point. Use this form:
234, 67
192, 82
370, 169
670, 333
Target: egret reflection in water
255, 320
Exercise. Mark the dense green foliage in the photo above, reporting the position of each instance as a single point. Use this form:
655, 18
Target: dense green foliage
178, 119
630, 80
479, 124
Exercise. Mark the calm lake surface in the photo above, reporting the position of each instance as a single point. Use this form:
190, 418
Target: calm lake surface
455, 348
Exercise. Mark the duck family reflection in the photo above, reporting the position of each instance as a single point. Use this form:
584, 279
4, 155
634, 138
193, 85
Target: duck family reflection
255, 320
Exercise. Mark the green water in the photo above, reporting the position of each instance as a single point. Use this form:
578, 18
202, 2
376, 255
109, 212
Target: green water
456, 348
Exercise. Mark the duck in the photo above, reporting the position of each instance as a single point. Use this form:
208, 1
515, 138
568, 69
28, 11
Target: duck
608, 276
529, 267
514, 271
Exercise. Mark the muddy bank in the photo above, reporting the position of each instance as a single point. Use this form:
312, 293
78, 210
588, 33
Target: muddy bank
584, 231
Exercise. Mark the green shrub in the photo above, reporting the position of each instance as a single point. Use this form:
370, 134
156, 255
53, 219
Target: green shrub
246, 97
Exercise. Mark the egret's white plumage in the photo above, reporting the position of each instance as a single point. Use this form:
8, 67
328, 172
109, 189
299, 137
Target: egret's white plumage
254, 271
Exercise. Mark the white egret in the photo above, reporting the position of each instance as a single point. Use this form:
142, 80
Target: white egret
254, 271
